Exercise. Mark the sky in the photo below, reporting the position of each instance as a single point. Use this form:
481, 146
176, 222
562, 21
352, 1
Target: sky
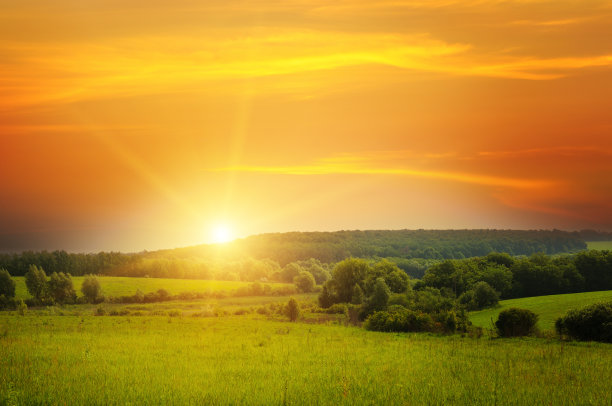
131, 125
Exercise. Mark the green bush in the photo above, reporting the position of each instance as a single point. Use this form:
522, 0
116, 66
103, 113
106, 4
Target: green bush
399, 319
593, 322
292, 310
516, 322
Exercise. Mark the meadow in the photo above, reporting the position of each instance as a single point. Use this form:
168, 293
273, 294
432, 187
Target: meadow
548, 308
253, 360
599, 245
124, 286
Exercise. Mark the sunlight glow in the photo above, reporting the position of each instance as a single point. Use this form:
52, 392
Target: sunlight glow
221, 234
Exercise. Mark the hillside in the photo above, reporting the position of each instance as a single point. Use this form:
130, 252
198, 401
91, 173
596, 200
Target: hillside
548, 308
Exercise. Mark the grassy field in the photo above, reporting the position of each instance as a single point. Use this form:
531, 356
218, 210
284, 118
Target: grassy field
548, 308
121, 286
248, 360
599, 245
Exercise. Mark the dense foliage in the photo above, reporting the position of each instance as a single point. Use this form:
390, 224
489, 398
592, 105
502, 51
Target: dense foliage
7, 284
593, 322
511, 277
515, 322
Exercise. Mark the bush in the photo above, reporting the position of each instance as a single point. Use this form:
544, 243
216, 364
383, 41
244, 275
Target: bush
304, 281
593, 322
292, 310
22, 308
91, 289
399, 319
515, 322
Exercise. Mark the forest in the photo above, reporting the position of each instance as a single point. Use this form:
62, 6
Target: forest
262, 255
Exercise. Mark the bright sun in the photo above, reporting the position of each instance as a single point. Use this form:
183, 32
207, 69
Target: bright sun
221, 233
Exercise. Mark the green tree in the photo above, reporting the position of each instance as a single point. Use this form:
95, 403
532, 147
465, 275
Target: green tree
346, 274
326, 297
292, 310
290, 271
485, 295
91, 289
305, 282
379, 298
358, 296
36, 282
7, 284
61, 288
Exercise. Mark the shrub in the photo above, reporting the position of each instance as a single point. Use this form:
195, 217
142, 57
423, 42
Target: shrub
7, 284
100, 311
338, 308
593, 322
22, 308
515, 322
91, 289
399, 319
292, 310
304, 281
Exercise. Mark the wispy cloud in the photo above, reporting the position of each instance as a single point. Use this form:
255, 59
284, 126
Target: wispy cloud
371, 164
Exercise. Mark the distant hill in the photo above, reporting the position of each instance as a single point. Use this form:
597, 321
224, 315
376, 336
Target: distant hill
428, 244
412, 250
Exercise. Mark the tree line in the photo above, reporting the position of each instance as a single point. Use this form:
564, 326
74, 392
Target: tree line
265, 256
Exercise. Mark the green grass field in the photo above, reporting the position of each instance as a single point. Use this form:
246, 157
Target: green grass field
248, 360
599, 245
121, 286
548, 308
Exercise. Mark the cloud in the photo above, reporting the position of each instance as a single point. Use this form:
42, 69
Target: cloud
377, 164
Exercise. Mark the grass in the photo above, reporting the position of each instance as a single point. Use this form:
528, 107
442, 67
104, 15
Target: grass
548, 308
599, 245
248, 360
123, 286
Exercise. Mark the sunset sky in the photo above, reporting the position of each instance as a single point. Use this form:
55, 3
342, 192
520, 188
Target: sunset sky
131, 125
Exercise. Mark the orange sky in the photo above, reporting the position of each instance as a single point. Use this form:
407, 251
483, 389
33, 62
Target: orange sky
131, 125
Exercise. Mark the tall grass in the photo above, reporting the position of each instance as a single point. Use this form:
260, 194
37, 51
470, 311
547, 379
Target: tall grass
232, 360
123, 286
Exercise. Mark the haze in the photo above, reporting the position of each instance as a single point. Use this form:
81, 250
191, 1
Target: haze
128, 125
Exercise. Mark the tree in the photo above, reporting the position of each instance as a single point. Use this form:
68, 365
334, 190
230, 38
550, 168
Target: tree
326, 297
36, 282
305, 282
292, 310
91, 289
346, 274
61, 288
379, 298
7, 284
290, 271
358, 296
485, 295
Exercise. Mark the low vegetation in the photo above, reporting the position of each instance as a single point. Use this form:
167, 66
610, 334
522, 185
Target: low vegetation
593, 322
251, 360
548, 308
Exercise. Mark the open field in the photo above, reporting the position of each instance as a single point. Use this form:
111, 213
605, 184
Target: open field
245, 360
599, 245
122, 286
548, 308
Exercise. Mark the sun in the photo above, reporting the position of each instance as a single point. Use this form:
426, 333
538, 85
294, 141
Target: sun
221, 234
